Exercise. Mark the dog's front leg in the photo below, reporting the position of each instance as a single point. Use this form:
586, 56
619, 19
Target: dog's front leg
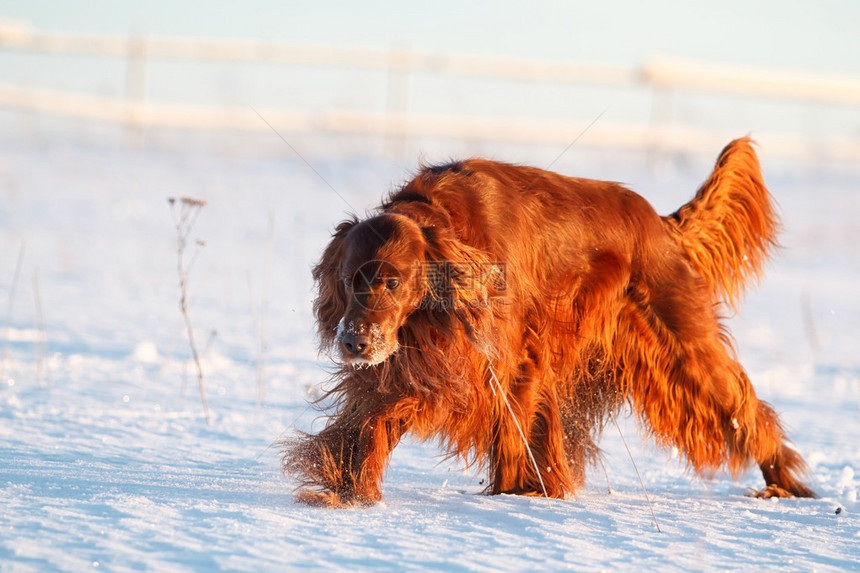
343, 465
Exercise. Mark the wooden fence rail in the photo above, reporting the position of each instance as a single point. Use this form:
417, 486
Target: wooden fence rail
658, 75
663, 73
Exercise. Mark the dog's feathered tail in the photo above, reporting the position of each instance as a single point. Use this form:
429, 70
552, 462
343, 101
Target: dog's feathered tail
729, 228
728, 231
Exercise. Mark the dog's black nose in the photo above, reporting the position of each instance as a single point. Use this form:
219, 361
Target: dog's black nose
356, 344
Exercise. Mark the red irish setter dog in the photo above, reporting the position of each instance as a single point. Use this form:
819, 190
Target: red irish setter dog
510, 311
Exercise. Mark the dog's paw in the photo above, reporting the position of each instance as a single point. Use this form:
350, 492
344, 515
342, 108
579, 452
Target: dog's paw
318, 498
770, 491
325, 498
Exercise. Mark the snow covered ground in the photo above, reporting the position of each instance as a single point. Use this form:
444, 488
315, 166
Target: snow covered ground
108, 463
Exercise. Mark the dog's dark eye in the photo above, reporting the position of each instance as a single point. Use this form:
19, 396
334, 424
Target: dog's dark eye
347, 282
392, 284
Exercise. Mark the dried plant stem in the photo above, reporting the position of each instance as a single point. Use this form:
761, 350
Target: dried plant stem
642, 483
189, 210
498, 388
184, 306
256, 326
5, 354
260, 318
264, 314
41, 340
605, 474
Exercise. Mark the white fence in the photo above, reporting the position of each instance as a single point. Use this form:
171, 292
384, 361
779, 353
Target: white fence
661, 78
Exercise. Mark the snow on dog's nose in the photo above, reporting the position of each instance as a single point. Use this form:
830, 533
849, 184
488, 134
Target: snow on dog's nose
356, 344
364, 344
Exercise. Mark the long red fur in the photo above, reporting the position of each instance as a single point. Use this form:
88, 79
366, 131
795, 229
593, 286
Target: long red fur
575, 293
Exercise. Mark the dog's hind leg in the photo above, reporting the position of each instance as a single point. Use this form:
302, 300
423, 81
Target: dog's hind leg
763, 439
677, 369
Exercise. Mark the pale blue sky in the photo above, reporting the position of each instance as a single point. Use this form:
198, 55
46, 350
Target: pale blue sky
788, 34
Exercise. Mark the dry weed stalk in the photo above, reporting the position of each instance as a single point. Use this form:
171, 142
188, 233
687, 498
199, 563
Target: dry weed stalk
635, 467
41, 338
5, 353
257, 344
189, 209
261, 323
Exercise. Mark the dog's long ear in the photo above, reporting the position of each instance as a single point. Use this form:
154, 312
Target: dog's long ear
331, 301
462, 283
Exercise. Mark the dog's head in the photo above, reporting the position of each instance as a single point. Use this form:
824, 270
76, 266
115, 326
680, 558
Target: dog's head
369, 283
377, 274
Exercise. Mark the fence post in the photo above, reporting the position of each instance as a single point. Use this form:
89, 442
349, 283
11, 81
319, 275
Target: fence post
135, 85
662, 110
399, 70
